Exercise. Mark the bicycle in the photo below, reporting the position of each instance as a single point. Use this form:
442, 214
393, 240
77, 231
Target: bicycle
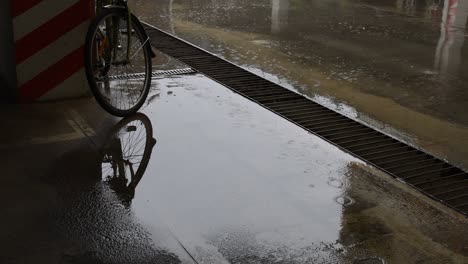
118, 58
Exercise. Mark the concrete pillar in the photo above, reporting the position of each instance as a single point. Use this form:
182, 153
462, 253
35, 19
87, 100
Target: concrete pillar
279, 15
452, 37
8, 90
48, 38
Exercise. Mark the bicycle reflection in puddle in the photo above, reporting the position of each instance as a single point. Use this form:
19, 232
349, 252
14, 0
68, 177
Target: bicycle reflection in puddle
126, 154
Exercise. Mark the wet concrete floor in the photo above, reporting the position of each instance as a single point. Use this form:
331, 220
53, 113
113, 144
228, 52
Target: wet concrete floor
398, 65
218, 179
225, 182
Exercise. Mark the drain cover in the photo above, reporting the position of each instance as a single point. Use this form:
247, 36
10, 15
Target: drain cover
142, 75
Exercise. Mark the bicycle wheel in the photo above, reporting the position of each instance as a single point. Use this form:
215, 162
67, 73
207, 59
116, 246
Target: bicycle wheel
120, 83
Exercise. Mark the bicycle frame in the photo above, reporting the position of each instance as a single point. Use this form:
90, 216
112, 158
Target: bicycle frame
117, 160
100, 4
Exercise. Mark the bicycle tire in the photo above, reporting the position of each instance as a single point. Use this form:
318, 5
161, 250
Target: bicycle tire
89, 64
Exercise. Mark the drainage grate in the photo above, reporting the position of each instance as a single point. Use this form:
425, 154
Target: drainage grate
154, 74
434, 177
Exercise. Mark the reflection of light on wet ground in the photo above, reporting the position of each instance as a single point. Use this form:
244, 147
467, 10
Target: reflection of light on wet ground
255, 182
235, 183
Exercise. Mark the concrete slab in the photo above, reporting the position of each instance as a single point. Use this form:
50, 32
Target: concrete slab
226, 182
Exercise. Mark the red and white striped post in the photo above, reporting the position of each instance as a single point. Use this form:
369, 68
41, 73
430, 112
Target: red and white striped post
48, 40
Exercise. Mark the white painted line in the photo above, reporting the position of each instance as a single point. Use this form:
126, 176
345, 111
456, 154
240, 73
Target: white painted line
81, 122
45, 140
75, 121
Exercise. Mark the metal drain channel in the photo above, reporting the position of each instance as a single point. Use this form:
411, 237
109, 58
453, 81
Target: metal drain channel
154, 74
432, 176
